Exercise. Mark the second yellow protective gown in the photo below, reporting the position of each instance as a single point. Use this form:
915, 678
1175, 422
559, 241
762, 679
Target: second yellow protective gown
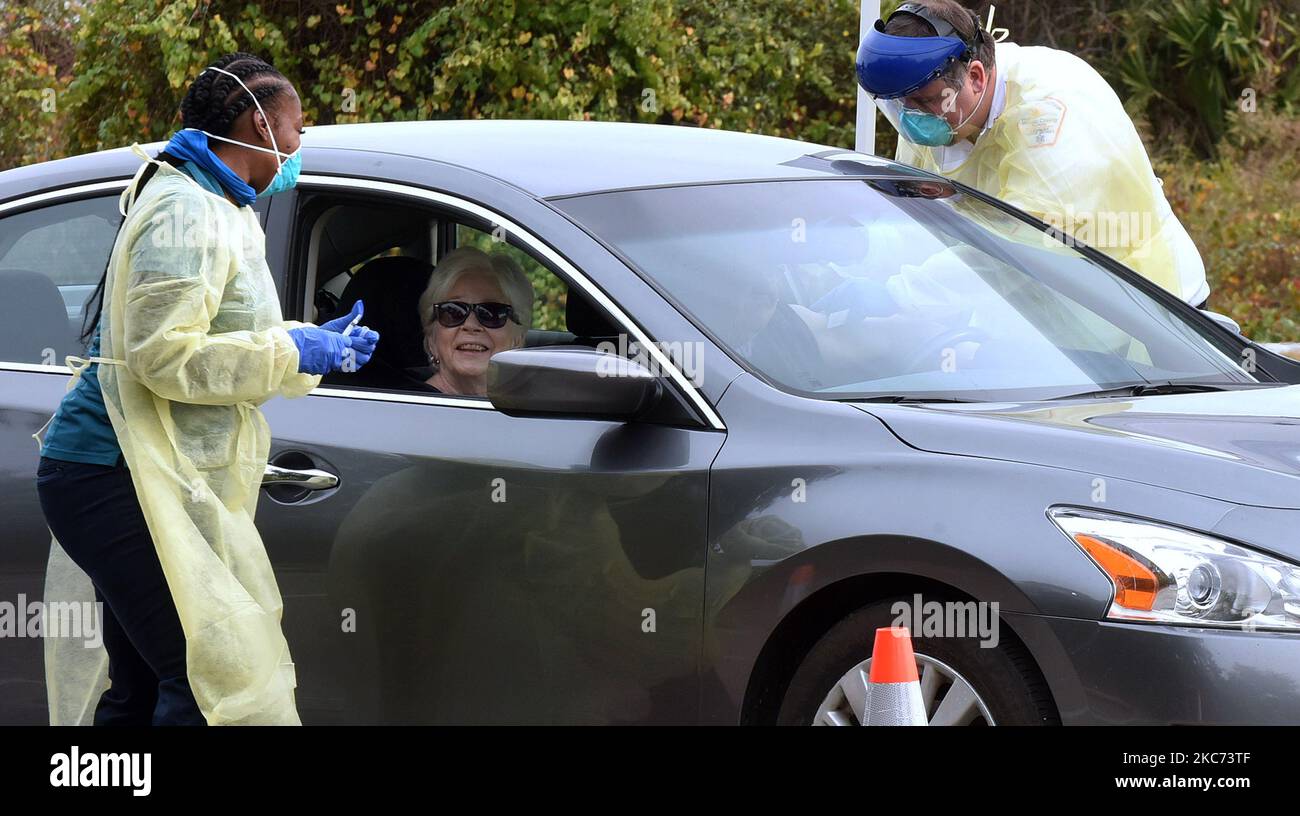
1063, 149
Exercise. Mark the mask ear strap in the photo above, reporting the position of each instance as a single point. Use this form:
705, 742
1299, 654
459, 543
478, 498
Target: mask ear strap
978, 102
283, 156
268, 129
275, 148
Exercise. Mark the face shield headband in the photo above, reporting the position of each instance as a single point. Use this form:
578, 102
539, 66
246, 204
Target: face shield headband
890, 66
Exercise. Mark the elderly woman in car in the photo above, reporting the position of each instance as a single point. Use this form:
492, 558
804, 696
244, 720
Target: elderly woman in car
476, 304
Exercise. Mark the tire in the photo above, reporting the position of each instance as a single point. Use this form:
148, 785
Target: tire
1005, 678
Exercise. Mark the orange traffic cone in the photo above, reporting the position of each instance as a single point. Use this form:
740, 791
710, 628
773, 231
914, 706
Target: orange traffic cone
894, 690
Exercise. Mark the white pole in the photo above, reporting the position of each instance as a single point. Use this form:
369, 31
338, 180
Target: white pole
864, 134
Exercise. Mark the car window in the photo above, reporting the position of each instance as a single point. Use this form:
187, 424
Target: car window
389, 262
341, 236
51, 259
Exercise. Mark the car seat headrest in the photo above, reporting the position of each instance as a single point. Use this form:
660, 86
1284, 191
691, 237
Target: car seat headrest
391, 287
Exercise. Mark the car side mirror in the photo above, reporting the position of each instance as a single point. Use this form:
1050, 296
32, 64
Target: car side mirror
570, 382
1224, 321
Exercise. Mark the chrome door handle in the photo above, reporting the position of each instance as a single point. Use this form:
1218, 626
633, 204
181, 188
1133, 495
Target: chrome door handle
308, 479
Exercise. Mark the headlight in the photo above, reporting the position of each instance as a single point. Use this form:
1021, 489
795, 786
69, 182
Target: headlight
1169, 575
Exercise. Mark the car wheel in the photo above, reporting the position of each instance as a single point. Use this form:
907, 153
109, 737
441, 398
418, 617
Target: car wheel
962, 683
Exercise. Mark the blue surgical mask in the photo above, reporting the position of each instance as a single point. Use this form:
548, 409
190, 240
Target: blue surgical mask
288, 165
286, 177
925, 129
929, 129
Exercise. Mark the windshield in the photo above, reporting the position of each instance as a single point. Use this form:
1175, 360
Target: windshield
851, 289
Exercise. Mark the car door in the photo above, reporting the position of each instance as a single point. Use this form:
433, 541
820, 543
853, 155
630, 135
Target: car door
53, 249
453, 564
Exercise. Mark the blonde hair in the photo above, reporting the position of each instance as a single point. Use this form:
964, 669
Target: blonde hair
514, 284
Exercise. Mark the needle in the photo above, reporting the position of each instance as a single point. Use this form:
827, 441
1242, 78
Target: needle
352, 325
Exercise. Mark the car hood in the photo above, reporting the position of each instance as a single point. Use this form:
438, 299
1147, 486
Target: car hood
1238, 446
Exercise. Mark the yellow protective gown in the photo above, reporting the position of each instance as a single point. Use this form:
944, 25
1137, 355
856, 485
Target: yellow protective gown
1063, 149
192, 342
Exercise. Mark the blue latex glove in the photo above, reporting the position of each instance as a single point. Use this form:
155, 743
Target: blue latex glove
320, 351
362, 343
338, 324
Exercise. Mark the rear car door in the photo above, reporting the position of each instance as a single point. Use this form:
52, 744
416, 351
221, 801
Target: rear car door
54, 247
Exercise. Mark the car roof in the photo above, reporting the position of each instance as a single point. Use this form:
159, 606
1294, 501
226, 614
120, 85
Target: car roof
545, 158
550, 158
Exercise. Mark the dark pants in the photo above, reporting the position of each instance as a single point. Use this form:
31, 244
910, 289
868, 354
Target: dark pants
94, 513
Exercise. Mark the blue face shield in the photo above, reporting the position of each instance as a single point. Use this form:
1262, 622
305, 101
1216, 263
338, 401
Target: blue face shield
890, 67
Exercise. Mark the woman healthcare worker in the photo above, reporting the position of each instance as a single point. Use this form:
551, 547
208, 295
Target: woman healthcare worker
151, 466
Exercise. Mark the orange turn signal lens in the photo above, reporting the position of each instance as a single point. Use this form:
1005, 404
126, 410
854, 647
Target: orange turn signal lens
1135, 584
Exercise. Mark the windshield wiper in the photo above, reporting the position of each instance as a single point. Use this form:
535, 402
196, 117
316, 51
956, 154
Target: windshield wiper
1158, 388
909, 398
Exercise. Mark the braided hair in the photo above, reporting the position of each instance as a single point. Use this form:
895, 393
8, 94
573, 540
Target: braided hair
212, 102
215, 100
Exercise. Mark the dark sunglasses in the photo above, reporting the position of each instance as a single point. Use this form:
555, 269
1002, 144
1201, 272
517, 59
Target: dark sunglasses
452, 313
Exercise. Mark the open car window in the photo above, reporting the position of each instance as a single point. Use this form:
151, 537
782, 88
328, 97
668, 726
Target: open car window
386, 253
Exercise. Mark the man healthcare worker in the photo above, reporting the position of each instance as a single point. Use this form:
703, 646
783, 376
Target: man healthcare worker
1033, 126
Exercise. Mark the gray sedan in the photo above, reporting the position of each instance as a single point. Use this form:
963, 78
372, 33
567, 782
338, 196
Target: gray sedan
774, 395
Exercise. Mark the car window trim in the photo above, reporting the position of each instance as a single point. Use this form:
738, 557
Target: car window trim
696, 398
49, 198
37, 200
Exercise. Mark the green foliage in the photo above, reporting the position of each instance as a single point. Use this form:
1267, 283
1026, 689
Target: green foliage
1243, 211
1205, 58
771, 67
35, 67
780, 67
